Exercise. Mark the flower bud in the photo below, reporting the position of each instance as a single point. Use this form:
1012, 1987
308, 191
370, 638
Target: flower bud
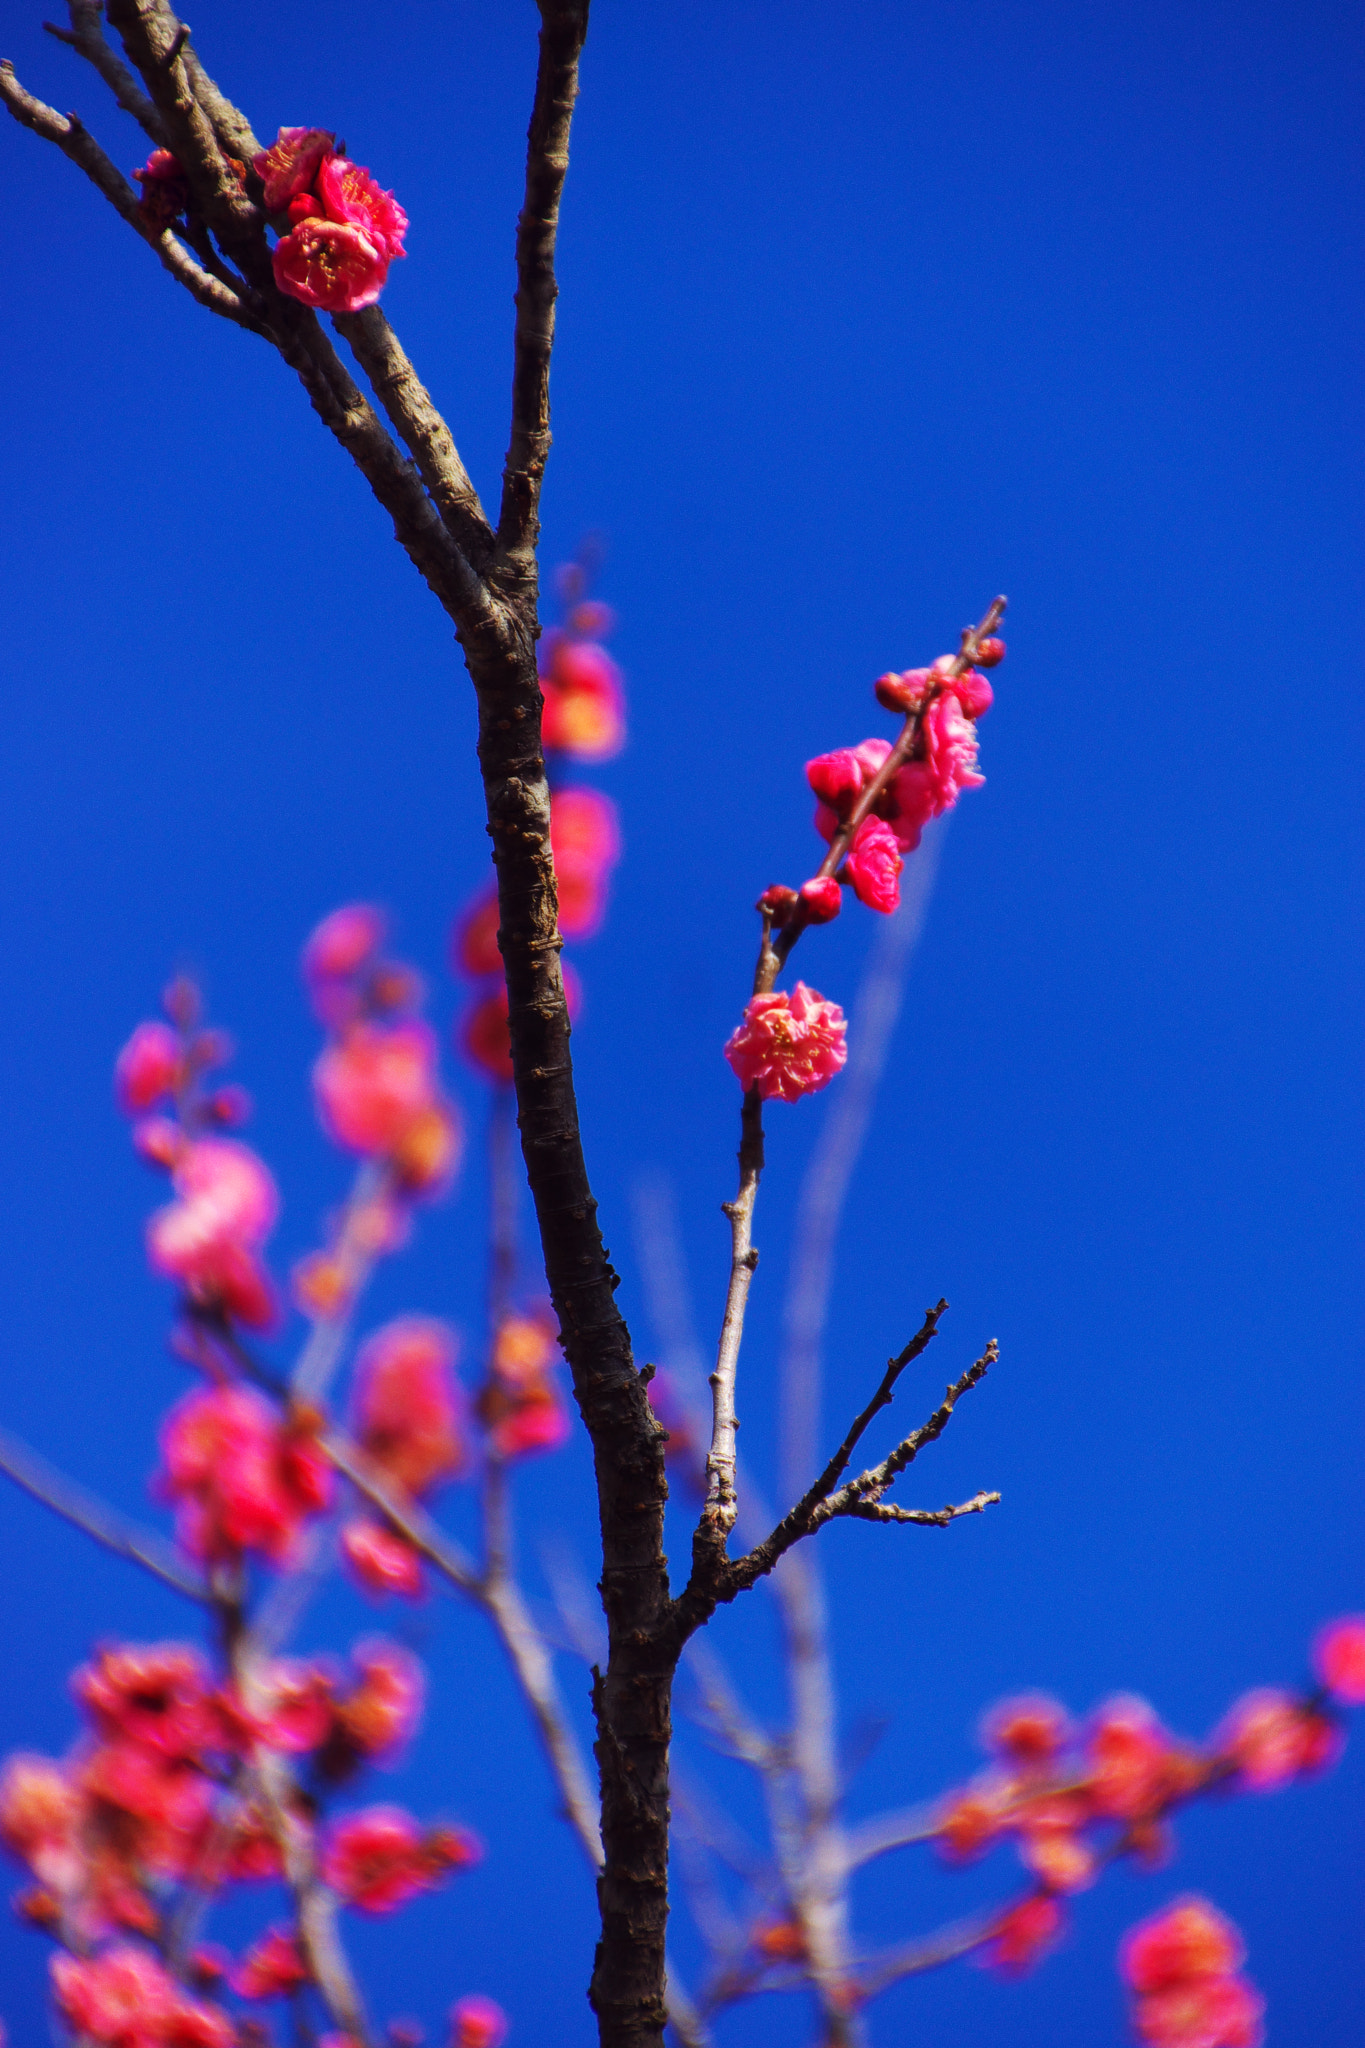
779, 902
902, 692
822, 897
990, 652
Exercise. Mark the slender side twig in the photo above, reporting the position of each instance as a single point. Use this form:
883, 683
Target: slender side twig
355, 1252
869, 1839
929, 1952
86, 36
109, 1528
75, 141
826, 1182
530, 1660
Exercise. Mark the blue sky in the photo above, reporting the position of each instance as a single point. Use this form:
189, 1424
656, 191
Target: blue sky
859, 324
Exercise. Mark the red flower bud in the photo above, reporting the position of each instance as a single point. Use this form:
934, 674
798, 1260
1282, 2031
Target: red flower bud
822, 897
990, 652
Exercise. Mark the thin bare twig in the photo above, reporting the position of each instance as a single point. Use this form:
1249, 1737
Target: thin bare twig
107, 1527
722, 1505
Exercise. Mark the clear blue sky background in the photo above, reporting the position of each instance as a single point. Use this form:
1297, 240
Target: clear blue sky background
866, 314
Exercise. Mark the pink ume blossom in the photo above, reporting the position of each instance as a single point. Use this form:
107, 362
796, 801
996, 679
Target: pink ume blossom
407, 1403
1270, 1738
291, 164
239, 1477
373, 1081
788, 1044
157, 1696
272, 1967
520, 1406
380, 1857
1031, 1729
342, 944
1339, 1659
330, 265
822, 899
125, 1998
1181, 1966
381, 1559
165, 189
148, 1069
1023, 1935
349, 194
585, 838
209, 1238
584, 713
384, 1708
477, 2023
873, 863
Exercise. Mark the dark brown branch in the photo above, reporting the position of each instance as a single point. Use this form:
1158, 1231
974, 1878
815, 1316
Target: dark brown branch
86, 36
870, 1486
408, 404
74, 140
564, 24
105, 1524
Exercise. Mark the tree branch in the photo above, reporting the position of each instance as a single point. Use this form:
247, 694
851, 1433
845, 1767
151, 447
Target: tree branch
408, 404
564, 24
86, 37
75, 141
860, 1497
104, 1524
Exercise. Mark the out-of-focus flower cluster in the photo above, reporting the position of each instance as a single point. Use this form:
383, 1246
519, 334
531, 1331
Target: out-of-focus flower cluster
1072, 1798
1183, 1969
162, 1797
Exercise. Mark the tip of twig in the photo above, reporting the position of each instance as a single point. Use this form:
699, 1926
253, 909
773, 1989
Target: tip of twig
63, 35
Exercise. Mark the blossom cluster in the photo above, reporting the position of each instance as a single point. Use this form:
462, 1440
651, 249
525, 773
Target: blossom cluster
1183, 1968
343, 231
338, 231
1072, 1798
873, 801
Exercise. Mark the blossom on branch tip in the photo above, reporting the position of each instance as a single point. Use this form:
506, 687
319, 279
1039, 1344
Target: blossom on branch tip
291, 163
1031, 1729
156, 1696
1269, 1738
1339, 1659
330, 265
788, 1044
477, 2022
873, 864
374, 1082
